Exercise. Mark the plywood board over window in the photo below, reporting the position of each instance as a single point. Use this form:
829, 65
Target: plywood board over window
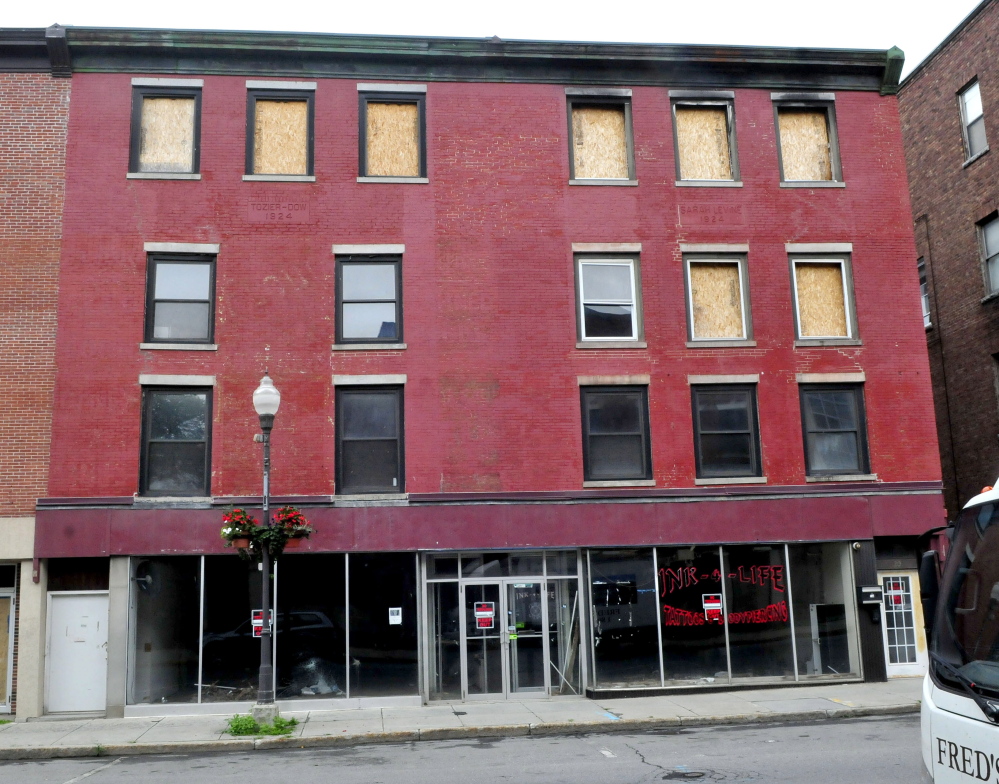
600, 143
166, 142
703, 141
821, 300
804, 144
716, 301
393, 139
281, 137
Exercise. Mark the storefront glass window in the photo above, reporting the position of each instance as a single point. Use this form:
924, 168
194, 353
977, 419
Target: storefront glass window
445, 652
383, 625
758, 612
311, 643
821, 582
625, 636
564, 635
230, 652
692, 620
165, 605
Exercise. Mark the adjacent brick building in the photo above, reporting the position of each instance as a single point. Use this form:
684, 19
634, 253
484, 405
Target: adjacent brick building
589, 377
34, 109
947, 109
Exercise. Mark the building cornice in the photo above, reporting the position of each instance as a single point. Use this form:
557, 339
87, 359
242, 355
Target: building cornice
405, 58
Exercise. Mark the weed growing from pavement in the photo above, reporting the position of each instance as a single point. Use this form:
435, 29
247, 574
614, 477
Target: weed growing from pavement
247, 725
4, 721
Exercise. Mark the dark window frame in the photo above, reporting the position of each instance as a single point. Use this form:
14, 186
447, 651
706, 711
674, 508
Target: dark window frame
864, 465
147, 394
829, 107
629, 133
756, 468
139, 94
399, 392
924, 292
966, 124
395, 259
364, 98
983, 250
636, 270
153, 260
733, 149
258, 94
645, 430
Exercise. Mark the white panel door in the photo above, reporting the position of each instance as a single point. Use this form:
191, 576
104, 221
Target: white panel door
902, 624
76, 666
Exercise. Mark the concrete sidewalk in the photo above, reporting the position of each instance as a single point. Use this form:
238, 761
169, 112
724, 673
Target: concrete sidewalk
557, 716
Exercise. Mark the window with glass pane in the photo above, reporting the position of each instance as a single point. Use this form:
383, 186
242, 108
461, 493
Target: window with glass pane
616, 433
176, 441
900, 624
924, 293
369, 301
165, 129
369, 440
230, 654
990, 247
692, 621
834, 428
181, 298
725, 431
974, 120
759, 618
608, 307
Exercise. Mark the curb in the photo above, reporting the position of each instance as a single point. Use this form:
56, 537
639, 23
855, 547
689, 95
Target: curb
442, 733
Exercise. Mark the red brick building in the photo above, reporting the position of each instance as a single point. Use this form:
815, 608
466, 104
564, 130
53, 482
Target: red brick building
947, 109
34, 108
589, 377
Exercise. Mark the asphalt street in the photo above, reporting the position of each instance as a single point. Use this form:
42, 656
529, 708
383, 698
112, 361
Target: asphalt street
873, 751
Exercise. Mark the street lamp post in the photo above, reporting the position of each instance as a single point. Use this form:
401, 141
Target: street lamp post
266, 400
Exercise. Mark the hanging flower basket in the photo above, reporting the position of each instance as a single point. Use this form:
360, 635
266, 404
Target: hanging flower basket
287, 529
240, 542
239, 529
294, 542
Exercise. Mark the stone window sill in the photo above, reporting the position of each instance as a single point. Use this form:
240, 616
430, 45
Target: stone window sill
625, 183
621, 483
820, 342
843, 478
179, 346
732, 480
418, 180
708, 183
163, 176
974, 158
813, 184
279, 178
612, 344
721, 344
369, 346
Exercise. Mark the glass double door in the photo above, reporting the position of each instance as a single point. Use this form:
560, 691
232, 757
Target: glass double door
503, 650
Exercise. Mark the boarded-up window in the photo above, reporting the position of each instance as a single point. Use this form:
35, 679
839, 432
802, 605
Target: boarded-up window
716, 301
166, 135
703, 140
804, 144
821, 299
599, 143
280, 137
392, 146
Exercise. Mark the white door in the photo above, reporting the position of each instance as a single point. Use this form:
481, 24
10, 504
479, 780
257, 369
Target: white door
902, 624
76, 662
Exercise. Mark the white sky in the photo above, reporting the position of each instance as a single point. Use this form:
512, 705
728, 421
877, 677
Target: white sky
916, 26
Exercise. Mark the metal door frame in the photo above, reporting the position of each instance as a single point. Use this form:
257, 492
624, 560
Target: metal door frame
505, 647
9, 593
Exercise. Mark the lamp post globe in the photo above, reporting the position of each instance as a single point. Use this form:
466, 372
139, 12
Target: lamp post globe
266, 400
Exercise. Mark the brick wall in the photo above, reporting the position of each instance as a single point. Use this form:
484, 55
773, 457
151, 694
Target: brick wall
492, 401
948, 199
33, 115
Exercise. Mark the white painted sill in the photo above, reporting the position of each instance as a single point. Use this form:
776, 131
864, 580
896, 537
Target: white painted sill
162, 176
709, 183
417, 180
371, 499
613, 344
625, 183
369, 347
812, 184
179, 346
843, 478
621, 483
721, 344
820, 342
279, 178
732, 480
